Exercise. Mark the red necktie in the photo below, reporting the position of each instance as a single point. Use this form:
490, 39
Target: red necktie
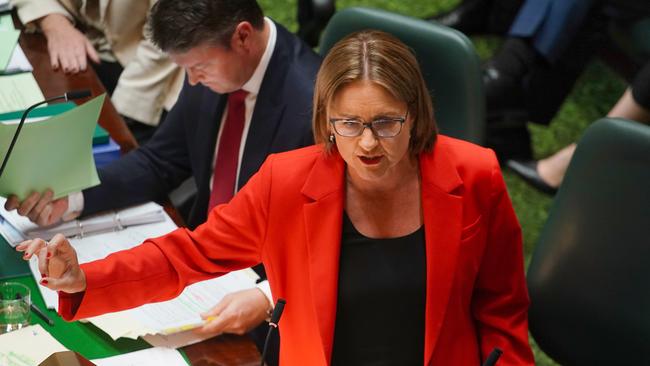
225, 166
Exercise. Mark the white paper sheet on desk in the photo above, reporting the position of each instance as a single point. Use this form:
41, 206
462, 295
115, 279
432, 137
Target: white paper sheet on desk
28, 346
98, 246
147, 357
176, 315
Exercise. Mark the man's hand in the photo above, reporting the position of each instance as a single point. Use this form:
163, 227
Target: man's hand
39, 208
57, 262
238, 313
68, 48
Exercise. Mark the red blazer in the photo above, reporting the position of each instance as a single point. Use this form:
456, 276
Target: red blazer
289, 216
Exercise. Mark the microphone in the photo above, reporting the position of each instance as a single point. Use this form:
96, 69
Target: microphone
492, 358
67, 96
273, 323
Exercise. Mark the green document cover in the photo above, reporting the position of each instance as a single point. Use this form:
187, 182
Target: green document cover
54, 153
100, 136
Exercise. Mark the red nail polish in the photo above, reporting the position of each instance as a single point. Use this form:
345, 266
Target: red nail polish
44, 282
49, 255
42, 275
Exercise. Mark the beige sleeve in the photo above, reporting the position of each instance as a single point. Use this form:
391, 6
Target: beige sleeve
149, 83
31, 10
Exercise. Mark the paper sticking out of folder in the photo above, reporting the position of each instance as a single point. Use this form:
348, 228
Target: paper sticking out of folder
147, 213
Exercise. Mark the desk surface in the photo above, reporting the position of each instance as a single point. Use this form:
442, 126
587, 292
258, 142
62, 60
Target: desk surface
85, 338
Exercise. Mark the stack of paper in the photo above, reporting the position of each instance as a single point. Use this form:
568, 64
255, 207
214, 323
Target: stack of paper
28, 346
147, 213
18, 92
163, 318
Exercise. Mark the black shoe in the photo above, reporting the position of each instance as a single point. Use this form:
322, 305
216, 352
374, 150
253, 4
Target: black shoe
527, 170
470, 17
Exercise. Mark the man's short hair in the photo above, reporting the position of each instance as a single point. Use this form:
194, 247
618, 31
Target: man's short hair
179, 25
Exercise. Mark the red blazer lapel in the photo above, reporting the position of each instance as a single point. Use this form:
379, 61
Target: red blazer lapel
323, 216
442, 211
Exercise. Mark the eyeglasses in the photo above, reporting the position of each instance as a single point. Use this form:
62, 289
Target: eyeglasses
381, 127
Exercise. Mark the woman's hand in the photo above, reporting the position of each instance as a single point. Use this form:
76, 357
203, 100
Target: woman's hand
237, 313
57, 262
68, 48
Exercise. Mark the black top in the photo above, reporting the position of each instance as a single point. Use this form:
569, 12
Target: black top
381, 300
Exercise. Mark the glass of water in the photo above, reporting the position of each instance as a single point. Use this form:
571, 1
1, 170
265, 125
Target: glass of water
14, 306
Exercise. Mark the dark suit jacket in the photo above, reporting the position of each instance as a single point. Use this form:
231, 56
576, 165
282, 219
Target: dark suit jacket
184, 144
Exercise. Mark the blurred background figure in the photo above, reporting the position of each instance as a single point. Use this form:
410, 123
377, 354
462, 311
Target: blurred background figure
109, 35
313, 16
547, 174
480, 16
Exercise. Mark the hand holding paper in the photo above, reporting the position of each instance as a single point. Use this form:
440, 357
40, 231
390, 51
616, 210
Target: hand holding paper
39, 208
55, 153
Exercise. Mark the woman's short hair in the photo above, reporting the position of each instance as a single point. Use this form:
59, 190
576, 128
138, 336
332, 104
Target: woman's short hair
383, 59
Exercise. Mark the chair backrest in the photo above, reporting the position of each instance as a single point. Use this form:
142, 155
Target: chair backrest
589, 278
447, 58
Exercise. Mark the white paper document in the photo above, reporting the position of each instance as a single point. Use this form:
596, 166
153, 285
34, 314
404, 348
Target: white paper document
19, 91
18, 62
147, 357
27, 347
104, 222
162, 318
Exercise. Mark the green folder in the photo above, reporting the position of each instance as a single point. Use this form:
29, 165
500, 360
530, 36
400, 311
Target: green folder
54, 153
11, 262
100, 136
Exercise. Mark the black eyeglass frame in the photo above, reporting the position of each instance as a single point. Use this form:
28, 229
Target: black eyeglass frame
369, 125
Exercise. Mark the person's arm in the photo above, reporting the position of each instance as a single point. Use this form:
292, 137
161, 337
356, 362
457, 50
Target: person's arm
500, 301
151, 171
160, 268
69, 49
31, 10
149, 83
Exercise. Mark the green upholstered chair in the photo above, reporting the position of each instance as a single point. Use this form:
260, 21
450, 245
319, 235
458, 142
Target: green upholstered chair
589, 278
448, 60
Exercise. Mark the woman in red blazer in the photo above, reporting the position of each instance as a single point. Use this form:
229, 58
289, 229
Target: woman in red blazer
390, 244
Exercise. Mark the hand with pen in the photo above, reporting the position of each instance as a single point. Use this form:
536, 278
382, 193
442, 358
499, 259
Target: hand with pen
237, 313
57, 262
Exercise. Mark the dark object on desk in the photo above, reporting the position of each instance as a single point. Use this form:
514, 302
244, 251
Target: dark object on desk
588, 276
106, 153
273, 323
493, 357
66, 358
78, 94
41, 314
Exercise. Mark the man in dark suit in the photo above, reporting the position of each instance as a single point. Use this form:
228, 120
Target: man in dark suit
248, 93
